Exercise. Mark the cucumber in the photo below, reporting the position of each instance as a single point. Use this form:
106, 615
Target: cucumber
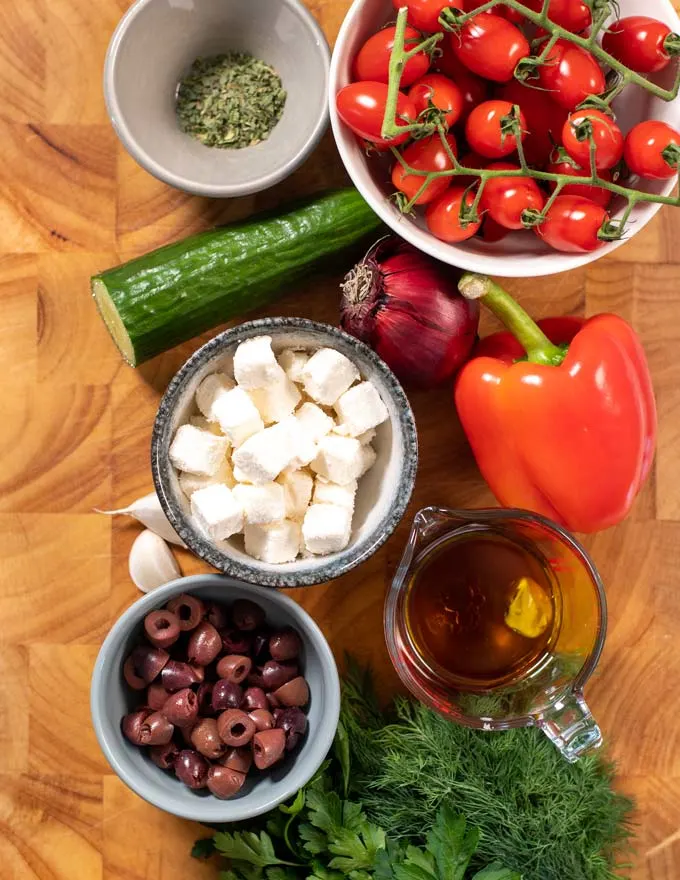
170, 295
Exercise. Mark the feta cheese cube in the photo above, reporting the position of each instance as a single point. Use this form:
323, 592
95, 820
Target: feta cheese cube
209, 390
360, 409
293, 363
326, 528
339, 459
255, 365
333, 493
327, 375
276, 401
368, 458
196, 451
205, 425
239, 476
217, 511
297, 488
273, 542
314, 421
190, 483
303, 447
264, 455
237, 415
366, 437
261, 504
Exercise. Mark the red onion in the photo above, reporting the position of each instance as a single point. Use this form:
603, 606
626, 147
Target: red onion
407, 307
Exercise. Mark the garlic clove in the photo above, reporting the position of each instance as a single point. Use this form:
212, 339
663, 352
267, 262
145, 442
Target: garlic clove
149, 513
151, 562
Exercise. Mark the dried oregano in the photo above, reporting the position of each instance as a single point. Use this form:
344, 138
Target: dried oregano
231, 100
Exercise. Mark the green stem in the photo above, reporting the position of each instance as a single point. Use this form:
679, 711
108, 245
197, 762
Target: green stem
539, 349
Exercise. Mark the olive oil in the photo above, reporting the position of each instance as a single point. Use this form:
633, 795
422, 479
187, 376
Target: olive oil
480, 609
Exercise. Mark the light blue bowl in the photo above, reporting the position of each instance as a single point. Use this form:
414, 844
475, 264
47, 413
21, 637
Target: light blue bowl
111, 698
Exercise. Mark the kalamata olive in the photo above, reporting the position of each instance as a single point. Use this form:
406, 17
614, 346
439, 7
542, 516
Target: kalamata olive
181, 708
148, 662
285, 645
131, 724
164, 756
272, 702
247, 615
204, 645
235, 728
254, 698
234, 667
255, 678
204, 695
131, 677
274, 674
268, 747
177, 675
237, 759
217, 615
185, 735
156, 695
224, 782
262, 718
293, 722
236, 642
226, 695
293, 693
199, 672
206, 740
192, 769
260, 648
277, 713
189, 611
161, 628
156, 730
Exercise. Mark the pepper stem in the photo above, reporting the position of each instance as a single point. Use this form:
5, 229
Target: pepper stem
539, 349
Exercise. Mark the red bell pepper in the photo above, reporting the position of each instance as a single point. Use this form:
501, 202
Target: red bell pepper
560, 415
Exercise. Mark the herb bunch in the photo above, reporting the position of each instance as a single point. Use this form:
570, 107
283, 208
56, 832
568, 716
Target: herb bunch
410, 796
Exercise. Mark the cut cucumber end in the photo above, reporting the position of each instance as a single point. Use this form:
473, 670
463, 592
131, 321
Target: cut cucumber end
112, 319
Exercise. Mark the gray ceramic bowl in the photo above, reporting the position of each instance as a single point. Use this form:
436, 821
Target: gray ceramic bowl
383, 494
154, 46
110, 699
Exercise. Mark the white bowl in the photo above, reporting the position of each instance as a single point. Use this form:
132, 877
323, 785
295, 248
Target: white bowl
520, 253
383, 493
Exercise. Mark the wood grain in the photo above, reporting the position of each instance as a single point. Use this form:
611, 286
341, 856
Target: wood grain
75, 425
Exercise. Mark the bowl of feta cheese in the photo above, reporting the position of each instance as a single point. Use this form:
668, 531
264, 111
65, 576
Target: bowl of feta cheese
284, 452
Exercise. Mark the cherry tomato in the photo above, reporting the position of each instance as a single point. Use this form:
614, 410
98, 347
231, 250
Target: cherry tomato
373, 59
570, 74
586, 190
490, 46
571, 225
473, 88
638, 42
470, 160
488, 129
492, 231
506, 198
652, 150
606, 134
361, 106
442, 92
544, 119
572, 15
427, 154
443, 215
424, 14
513, 15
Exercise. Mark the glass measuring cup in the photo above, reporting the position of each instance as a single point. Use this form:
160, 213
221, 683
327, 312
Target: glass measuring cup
549, 695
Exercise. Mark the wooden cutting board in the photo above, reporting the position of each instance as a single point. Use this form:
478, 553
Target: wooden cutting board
74, 434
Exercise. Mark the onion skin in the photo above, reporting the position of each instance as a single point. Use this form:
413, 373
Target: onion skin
407, 307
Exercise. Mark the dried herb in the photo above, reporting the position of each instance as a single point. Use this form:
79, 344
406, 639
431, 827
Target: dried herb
230, 101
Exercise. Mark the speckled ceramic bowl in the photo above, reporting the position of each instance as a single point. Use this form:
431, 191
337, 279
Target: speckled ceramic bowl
384, 491
110, 699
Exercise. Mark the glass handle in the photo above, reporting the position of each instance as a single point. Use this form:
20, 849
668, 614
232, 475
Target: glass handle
570, 725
